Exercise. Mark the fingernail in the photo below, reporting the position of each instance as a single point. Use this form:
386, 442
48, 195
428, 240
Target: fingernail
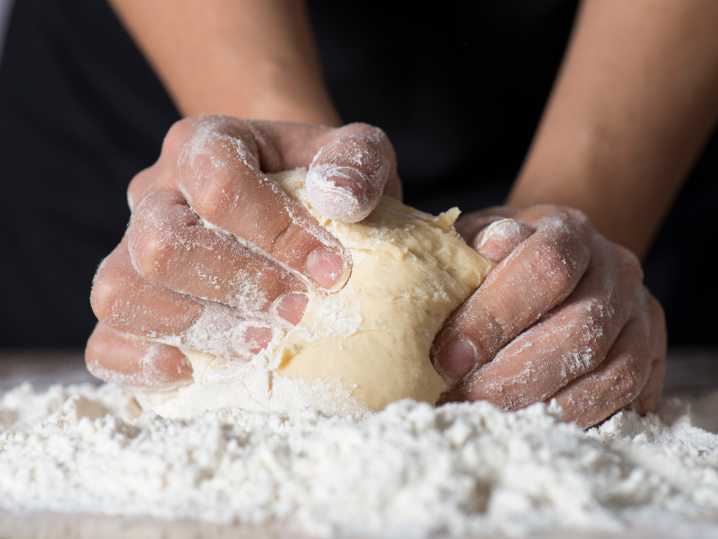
257, 339
327, 269
457, 357
292, 307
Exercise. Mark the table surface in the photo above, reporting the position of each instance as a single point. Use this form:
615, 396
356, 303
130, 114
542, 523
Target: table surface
691, 374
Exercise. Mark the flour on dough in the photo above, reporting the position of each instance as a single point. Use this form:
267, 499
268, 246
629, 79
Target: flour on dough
360, 348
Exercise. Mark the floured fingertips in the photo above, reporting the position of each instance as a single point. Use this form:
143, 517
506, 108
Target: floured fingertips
500, 238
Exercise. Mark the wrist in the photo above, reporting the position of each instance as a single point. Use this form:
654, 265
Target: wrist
276, 93
287, 94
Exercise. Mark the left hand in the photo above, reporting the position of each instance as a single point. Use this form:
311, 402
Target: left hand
563, 316
172, 281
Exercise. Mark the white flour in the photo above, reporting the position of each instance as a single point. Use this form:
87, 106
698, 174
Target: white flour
411, 470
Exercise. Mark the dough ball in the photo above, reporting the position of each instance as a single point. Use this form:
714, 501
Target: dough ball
364, 346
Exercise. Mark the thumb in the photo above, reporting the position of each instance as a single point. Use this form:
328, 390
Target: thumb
349, 174
500, 238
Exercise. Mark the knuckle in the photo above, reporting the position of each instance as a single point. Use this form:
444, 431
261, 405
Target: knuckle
557, 264
630, 378
284, 237
585, 357
580, 219
489, 326
262, 142
562, 254
152, 235
505, 399
91, 348
630, 266
210, 171
214, 196
273, 285
105, 298
139, 183
478, 388
178, 134
151, 252
573, 221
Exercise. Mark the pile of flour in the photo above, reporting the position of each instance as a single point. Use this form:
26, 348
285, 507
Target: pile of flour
411, 470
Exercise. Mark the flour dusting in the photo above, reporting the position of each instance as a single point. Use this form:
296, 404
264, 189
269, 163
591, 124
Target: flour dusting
411, 470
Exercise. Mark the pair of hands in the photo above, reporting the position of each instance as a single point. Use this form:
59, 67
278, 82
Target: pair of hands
564, 315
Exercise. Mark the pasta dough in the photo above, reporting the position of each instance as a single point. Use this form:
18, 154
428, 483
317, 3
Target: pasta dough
360, 348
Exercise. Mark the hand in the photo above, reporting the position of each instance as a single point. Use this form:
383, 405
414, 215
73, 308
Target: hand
564, 315
179, 279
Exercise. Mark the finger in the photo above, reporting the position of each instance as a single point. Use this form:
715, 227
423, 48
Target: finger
500, 238
219, 174
613, 384
541, 273
350, 167
128, 303
470, 225
568, 342
123, 359
349, 175
493, 232
169, 246
651, 394
122, 299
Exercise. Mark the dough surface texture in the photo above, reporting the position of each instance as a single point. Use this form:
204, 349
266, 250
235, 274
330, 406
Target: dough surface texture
362, 347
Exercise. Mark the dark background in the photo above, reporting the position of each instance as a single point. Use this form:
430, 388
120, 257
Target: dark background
459, 88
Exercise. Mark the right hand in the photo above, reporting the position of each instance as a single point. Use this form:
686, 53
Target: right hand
173, 282
564, 315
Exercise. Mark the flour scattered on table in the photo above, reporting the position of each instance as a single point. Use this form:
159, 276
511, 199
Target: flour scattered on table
411, 470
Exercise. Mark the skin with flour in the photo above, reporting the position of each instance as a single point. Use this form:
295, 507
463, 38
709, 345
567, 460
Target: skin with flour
364, 346
632, 107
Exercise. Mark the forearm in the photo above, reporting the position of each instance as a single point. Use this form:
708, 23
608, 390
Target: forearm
237, 57
633, 106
